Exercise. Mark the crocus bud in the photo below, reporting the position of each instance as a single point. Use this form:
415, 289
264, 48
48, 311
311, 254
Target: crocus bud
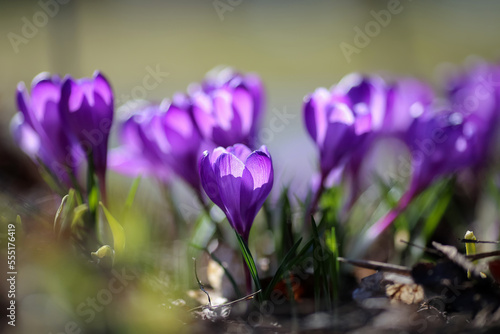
87, 108
238, 181
228, 107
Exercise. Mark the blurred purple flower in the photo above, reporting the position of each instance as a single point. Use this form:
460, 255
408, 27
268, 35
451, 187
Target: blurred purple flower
475, 94
439, 146
399, 104
41, 132
238, 181
366, 96
87, 109
407, 99
158, 138
340, 120
138, 153
228, 107
449, 141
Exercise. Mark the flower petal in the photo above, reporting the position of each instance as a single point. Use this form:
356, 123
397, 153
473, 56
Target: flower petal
315, 113
243, 105
209, 180
24, 135
103, 88
257, 184
240, 151
229, 171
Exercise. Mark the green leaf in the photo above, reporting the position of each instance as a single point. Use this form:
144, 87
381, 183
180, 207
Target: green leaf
131, 195
331, 203
116, 230
434, 218
93, 200
57, 218
64, 213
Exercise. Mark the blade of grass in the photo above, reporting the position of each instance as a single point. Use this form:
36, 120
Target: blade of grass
436, 214
131, 196
331, 244
317, 270
283, 267
286, 233
321, 286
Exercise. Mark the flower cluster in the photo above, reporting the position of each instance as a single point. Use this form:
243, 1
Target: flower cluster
345, 120
158, 139
64, 122
442, 137
223, 110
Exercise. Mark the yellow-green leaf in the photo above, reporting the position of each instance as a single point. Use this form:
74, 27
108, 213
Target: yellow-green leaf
78, 213
116, 230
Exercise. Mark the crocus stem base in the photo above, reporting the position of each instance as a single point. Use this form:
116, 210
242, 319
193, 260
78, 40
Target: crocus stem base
248, 276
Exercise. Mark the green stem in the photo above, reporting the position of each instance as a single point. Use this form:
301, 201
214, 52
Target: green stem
92, 196
248, 276
250, 264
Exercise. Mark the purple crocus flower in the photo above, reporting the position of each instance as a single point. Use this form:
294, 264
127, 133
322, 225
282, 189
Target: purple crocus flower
449, 141
158, 138
87, 109
366, 97
40, 131
340, 120
238, 181
228, 107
